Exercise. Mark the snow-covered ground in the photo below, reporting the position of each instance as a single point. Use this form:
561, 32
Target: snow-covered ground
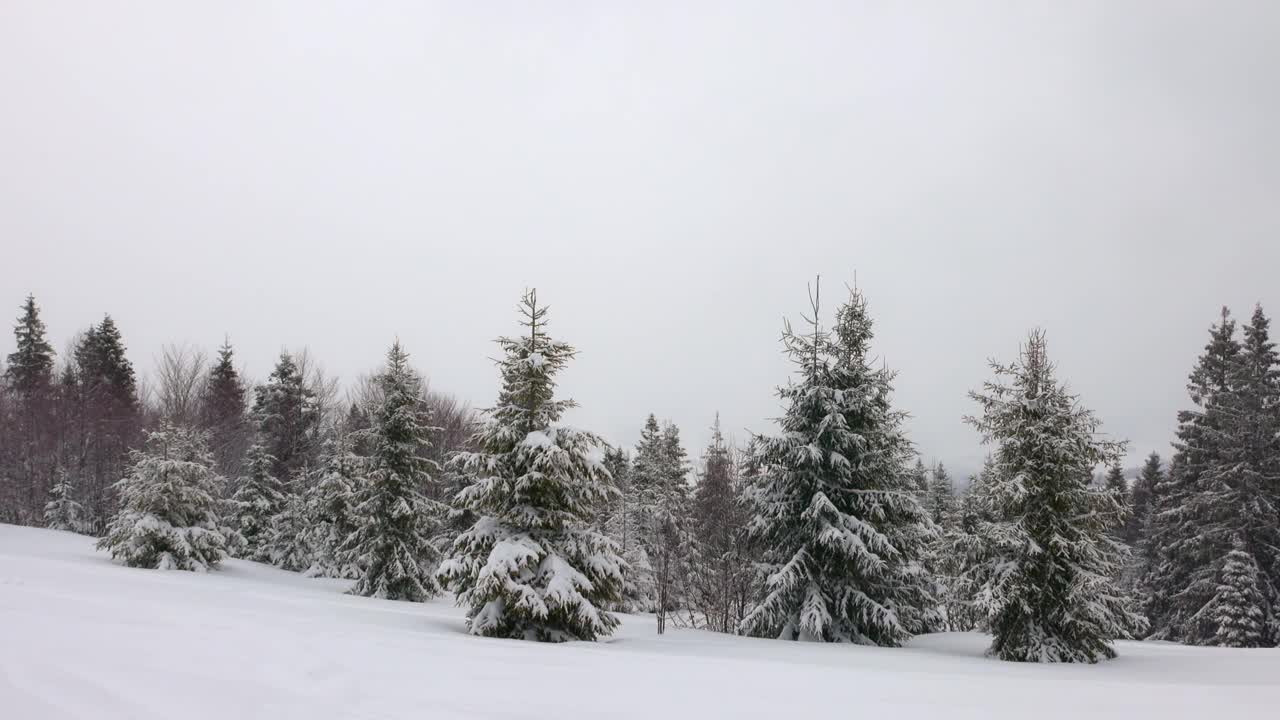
81, 637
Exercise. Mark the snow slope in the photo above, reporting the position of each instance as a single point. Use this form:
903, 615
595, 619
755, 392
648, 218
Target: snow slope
81, 637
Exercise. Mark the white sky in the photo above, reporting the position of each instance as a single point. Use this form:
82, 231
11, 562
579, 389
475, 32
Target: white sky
668, 175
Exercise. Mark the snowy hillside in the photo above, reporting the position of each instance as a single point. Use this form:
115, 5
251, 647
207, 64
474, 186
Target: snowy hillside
81, 637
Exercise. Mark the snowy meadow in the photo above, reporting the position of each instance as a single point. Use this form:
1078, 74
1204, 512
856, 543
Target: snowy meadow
87, 638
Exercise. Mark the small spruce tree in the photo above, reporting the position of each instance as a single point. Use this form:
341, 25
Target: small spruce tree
63, 512
168, 517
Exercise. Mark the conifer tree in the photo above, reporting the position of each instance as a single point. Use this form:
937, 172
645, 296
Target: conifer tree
841, 534
288, 418
1236, 610
532, 567
920, 479
1220, 486
392, 545
259, 498
29, 368
223, 413
332, 507
28, 375
168, 516
939, 501
1119, 488
670, 541
62, 512
1140, 500
288, 546
1050, 593
112, 416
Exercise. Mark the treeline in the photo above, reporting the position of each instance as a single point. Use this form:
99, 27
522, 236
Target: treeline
829, 528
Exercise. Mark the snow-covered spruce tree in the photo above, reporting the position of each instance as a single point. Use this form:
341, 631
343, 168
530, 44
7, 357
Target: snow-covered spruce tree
1236, 495
532, 567
168, 516
1115, 484
1221, 484
920, 479
1051, 593
939, 501
258, 499
1236, 610
393, 542
837, 522
289, 545
671, 543
964, 561
62, 512
331, 503
288, 418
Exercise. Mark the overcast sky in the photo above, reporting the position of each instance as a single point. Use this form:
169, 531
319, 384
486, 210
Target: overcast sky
669, 176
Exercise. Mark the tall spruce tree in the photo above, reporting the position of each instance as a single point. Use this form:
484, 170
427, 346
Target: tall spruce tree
837, 522
939, 500
1140, 501
532, 567
112, 415
28, 375
392, 545
1050, 593
223, 414
1115, 484
288, 418
168, 516
1219, 487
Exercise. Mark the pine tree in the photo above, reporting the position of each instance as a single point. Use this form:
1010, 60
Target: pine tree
62, 512
393, 543
939, 500
920, 479
288, 546
1220, 485
1236, 610
1115, 484
112, 415
532, 567
840, 531
168, 516
29, 368
259, 498
1050, 592
331, 501
288, 418
223, 413
1140, 500
28, 374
